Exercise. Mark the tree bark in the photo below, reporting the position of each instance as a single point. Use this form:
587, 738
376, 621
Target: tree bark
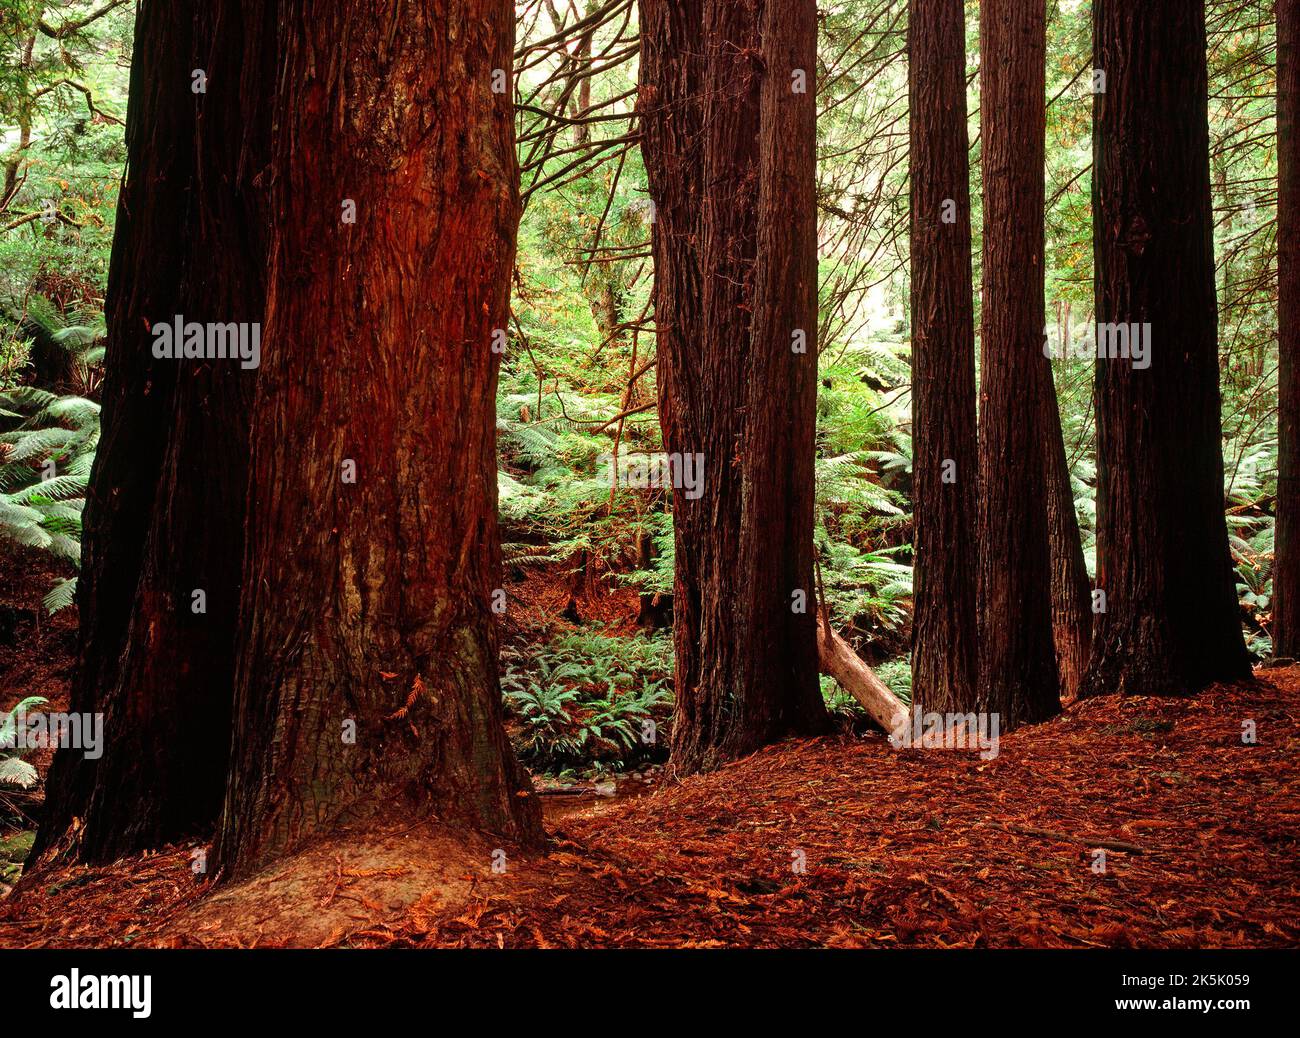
1286, 565
167, 733
366, 689
1071, 592
944, 430
167, 695
1017, 676
1172, 622
730, 152
150, 251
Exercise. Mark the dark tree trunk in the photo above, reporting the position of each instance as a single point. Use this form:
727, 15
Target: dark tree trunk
1172, 623
730, 152
167, 695
169, 711
1071, 593
1286, 567
150, 248
1017, 659
944, 444
367, 609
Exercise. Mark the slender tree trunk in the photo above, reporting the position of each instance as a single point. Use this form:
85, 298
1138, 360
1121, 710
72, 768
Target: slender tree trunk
150, 251
1017, 661
582, 131
1172, 624
1071, 592
366, 691
729, 121
1286, 567
945, 447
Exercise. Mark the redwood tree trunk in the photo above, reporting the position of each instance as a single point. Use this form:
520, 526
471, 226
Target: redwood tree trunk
1017, 661
366, 691
944, 431
167, 730
1071, 593
1286, 567
729, 122
1172, 622
150, 250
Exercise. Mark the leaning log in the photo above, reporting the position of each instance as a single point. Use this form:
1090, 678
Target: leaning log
837, 659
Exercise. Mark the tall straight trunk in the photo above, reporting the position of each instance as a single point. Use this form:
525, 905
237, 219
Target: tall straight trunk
1071, 593
366, 688
944, 432
1017, 676
729, 128
166, 697
1286, 566
150, 252
1172, 623
167, 731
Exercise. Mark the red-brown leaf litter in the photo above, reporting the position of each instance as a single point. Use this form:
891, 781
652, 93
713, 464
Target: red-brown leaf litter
839, 841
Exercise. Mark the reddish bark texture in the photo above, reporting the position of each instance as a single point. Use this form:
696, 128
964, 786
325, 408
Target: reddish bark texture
1017, 661
1172, 624
728, 112
944, 446
368, 603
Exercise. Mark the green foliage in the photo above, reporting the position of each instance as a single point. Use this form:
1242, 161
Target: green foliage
14, 771
45, 460
585, 697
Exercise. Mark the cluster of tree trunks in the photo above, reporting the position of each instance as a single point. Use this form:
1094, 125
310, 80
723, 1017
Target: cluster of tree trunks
1167, 619
305, 556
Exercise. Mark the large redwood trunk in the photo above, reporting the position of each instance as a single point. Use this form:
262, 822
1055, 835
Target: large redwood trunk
1172, 623
1017, 660
944, 431
367, 691
150, 252
730, 146
1286, 567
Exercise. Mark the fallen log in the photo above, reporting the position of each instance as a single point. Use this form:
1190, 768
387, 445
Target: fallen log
836, 658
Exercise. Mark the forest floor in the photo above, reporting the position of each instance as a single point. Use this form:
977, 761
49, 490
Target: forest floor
839, 841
